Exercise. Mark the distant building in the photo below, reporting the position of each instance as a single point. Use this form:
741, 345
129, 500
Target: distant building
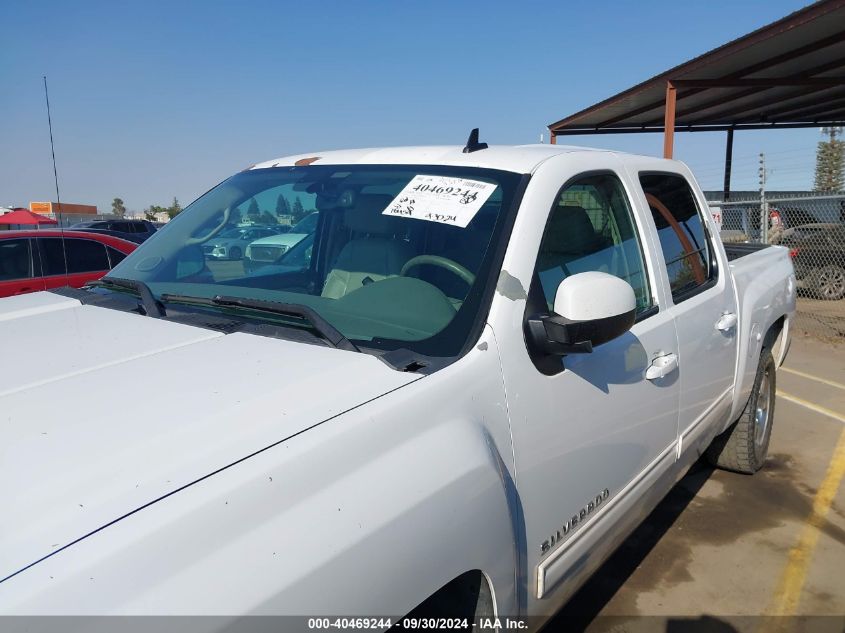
65, 208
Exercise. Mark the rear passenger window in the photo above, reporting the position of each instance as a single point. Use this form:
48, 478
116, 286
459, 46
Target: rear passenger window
591, 228
85, 256
15, 260
680, 227
52, 256
115, 256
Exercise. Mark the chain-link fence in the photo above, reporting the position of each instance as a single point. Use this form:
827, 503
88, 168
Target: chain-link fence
812, 228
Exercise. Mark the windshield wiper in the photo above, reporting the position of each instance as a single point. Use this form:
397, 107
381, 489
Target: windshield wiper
325, 329
149, 303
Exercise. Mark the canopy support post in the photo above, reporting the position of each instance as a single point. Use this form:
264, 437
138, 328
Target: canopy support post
729, 151
669, 121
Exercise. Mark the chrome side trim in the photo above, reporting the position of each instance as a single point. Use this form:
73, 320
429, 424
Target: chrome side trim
547, 569
726, 395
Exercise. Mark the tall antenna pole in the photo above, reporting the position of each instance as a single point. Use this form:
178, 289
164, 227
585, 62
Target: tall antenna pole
55, 176
52, 147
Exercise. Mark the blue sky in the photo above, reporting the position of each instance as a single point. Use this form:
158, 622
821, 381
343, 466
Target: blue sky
153, 100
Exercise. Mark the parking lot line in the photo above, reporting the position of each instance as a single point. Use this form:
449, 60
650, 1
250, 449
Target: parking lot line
825, 381
786, 598
813, 407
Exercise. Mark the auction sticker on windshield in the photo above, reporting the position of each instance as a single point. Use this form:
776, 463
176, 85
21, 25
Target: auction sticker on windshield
441, 199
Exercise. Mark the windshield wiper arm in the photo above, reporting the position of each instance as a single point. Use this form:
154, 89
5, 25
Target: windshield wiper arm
329, 332
326, 329
151, 306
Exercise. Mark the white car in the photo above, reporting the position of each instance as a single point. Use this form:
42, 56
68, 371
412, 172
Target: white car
231, 244
489, 368
268, 250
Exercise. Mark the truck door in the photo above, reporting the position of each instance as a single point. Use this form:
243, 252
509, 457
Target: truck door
703, 304
591, 433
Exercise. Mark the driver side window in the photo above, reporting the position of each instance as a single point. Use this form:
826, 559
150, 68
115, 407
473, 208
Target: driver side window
591, 228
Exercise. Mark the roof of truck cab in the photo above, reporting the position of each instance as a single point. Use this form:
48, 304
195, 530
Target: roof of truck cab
516, 158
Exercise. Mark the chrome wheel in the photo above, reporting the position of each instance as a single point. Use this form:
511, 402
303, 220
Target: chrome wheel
761, 413
831, 282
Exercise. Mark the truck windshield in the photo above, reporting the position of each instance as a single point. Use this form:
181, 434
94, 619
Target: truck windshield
390, 256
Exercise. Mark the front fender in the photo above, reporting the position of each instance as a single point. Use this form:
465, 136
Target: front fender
367, 514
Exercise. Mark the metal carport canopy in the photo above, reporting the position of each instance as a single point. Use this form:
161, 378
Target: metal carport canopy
788, 74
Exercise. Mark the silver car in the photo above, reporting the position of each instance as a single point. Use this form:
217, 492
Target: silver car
232, 243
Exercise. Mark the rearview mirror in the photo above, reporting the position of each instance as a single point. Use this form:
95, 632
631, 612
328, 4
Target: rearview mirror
190, 262
590, 309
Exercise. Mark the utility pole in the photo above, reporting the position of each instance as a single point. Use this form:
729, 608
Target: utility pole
764, 207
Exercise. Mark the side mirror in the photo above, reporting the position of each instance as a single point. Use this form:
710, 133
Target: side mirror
590, 309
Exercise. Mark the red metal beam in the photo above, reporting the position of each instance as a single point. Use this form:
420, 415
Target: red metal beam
834, 118
724, 116
816, 11
763, 65
766, 82
669, 121
722, 100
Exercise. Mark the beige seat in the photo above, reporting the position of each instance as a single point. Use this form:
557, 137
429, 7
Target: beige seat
375, 251
569, 237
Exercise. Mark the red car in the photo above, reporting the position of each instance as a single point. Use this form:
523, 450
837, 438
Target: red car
35, 260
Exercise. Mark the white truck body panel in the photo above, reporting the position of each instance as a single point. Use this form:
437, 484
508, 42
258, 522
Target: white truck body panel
76, 469
293, 521
320, 481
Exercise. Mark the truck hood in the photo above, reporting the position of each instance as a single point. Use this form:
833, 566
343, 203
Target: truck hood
103, 412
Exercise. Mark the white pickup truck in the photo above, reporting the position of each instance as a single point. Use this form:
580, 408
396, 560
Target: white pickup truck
489, 367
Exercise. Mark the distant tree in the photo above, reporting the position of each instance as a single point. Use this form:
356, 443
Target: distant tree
298, 211
153, 211
282, 206
830, 162
268, 218
252, 212
174, 209
117, 207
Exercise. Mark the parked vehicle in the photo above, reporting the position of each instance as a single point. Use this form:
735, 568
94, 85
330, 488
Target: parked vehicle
741, 222
132, 230
296, 258
494, 365
818, 254
269, 249
231, 244
35, 260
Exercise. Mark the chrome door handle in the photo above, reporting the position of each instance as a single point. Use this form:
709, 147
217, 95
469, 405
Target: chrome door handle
726, 321
662, 366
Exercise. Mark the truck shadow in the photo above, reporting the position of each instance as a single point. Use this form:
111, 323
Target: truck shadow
581, 612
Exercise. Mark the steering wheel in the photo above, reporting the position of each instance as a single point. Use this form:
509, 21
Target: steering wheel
199, 240
442, 262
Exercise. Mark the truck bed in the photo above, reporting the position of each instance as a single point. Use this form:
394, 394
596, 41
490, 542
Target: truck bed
764, 283
737, 250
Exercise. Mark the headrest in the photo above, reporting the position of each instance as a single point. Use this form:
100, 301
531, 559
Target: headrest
366, 216
570, 231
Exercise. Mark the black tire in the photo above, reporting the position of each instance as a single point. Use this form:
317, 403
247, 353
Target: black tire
744, 445
828, 282
235, 253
